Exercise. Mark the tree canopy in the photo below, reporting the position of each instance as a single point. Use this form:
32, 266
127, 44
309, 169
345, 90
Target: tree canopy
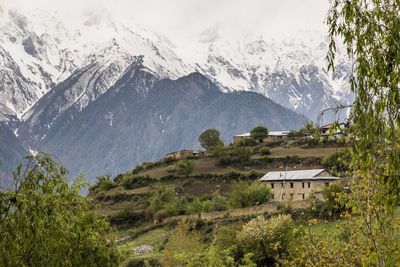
44, 221
369, 233
259, 133
210, 138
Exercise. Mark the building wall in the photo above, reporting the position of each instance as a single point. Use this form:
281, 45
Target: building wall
297, 192
179, 154
269, 139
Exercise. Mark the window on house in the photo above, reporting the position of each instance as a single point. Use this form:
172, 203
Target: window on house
283, 196
302, 184
273, 196
291, 185
272, 185
309, 184
327, 184
291, 195
304, 196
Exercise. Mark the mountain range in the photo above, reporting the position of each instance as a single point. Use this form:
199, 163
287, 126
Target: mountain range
105, 96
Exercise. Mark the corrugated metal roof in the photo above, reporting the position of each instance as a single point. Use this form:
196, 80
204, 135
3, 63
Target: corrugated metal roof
278, 133
297, 175
273, 133
243, 135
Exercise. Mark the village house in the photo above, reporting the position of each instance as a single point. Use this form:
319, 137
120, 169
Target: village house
273, 136
297, 185
183, 153
324, 130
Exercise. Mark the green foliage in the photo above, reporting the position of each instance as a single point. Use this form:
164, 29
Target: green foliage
140, 262
164, 203
130, 181
265, 151
183, 243
259, 133
234, 154
184, 167
245, 195
104, 183
370, 33
338, 161
247, 142
46, 222
210, 138
268, 240
161, 198
127, 216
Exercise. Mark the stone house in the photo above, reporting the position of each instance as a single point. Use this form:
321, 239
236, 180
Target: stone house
297, 185
273, 136
183, 153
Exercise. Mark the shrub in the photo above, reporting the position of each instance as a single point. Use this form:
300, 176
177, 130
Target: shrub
130, 181
247, 142
268, 240
245, 195
161, 198
184, 167
182, 242
127, 216
265, 151
338, 161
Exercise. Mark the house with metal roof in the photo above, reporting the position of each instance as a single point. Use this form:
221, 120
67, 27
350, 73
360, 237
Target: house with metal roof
273, 136
297, 185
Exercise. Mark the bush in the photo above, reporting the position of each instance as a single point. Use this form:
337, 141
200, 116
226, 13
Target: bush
127, 216
161, 198
338, 161
184, 167
130, 181
140, 262
245, 195
268, 240
265, 151
247, 142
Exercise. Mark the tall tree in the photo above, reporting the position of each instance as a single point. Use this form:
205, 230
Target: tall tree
44, 221
259, 133
369, 236
210, 138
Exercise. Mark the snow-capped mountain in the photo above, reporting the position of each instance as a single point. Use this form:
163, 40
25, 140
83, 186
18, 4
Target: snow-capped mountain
292, 73
37, 52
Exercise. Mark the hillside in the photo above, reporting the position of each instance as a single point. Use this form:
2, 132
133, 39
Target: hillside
142, 118
126, 200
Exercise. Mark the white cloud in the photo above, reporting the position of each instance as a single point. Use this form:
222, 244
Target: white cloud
183, 20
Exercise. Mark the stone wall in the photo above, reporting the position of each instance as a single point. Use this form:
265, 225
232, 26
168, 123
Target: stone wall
268, 207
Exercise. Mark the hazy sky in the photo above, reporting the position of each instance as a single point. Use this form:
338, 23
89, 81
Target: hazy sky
203, 20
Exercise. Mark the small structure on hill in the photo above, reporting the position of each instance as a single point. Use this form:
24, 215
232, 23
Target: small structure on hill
273, 136
183, 153
297, 185
324, 130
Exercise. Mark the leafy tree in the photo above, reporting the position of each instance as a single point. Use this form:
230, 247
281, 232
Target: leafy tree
259, 133
269, 240
44, 221
184, 167
245, 195
210, 138
370, 33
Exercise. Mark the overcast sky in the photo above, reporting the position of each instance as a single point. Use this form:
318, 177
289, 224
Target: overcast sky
203, 20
